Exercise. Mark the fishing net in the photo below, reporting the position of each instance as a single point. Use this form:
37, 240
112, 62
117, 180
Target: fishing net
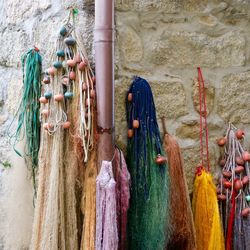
209, 233
233, 189
27, 115
181, 217
88, 204
106, 221
67, 138
122, 178
148, 216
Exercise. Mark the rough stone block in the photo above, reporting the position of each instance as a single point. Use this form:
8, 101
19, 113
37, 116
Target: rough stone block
13, 44
183, 49
191, 159
170, 99
16, 12
234, 96
210, 94
130, 44
147, 5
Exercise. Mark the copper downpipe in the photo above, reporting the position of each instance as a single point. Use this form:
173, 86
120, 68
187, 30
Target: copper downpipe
104, 61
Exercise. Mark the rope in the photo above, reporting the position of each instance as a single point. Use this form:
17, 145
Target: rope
203, 124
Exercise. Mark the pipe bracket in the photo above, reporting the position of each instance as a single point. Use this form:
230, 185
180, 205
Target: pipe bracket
101, 130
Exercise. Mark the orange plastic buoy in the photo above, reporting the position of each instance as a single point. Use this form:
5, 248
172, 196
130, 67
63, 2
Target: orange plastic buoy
221, 141
71, 63
51, 71
238, 185
46, 80
239, 169
246, 156
72, 75
227, 174
130, 133
92, 93
239, 134
227, 184
221, 197
66, 125
58, 97
136, 124
160, 159
245, 212
239, 160
130, 97
81, 66
43, 100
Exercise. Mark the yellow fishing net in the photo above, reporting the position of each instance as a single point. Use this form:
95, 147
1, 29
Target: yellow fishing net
209, 233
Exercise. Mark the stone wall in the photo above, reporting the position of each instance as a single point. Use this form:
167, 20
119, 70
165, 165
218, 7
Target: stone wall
164, 41
22, 25
161, 40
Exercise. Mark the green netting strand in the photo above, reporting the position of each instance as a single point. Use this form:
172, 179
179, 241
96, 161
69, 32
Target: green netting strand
27, 115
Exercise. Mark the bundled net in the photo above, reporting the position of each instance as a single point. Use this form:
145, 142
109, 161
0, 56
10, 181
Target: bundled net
181, 217
233, 189
148, 216
209, 233
106, 221
122, 178
27, 115
88, 204
68, 104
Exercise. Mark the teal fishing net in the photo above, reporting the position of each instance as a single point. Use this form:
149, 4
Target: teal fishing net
148, 216
27, 115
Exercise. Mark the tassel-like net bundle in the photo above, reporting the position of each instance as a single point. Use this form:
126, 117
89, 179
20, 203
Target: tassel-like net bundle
106, 217
181, 217
148, 217
209, 233
27, 115
234, 192
88, 204
66, 142
122, 178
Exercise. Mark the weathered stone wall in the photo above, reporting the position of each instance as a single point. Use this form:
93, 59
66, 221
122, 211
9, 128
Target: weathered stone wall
161, 40
22, 25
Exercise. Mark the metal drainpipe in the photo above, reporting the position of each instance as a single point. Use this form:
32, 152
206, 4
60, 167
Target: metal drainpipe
104, 66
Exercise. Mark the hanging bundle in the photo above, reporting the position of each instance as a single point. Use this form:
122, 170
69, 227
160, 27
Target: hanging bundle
209, 233
181, 217
148, 219
28, 127
112, 192
122, 178
234, 190
106, 221
88, 199
88, 204
68, 104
